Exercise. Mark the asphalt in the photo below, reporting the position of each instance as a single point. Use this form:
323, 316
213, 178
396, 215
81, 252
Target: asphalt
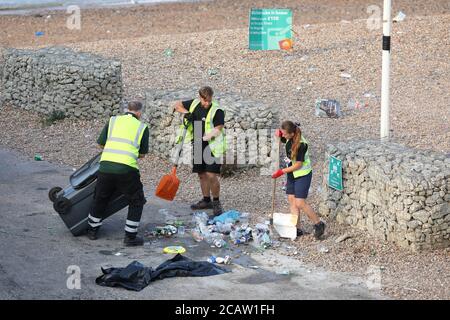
37, 251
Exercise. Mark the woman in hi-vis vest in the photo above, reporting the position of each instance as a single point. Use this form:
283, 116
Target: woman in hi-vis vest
299, 174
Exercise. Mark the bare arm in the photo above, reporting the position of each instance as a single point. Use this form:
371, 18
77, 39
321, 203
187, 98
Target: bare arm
214, 133
141, 156
100, 146
179, 107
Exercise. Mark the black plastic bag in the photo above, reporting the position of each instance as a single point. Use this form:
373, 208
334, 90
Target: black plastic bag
136, 276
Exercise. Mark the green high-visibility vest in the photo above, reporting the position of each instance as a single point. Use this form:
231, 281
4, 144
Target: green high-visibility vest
218, 145
124, 139
306, 165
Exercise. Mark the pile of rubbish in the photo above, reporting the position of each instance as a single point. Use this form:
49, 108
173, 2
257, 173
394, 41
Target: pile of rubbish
166, 231
230, 227
232, 224
172, 226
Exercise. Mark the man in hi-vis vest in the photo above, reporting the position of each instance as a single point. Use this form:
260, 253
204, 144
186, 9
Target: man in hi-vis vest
206, 131
124, 140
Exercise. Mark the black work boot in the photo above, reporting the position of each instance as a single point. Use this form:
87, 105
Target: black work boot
319, 229
300, 232
92, 233
217, 207
202, 204
133, 240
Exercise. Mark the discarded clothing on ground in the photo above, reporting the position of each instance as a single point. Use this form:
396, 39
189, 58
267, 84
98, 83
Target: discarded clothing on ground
136, 276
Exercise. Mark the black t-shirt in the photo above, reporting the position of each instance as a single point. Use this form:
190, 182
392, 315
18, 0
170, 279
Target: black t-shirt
200, 114
300, 154
113, 167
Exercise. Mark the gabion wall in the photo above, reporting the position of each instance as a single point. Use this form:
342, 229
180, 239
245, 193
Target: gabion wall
396, 193
59, 79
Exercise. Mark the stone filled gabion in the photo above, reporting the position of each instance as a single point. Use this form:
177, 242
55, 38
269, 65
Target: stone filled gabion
246, 121
53, 79
396, 193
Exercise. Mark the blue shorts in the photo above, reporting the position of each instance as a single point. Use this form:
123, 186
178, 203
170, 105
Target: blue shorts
299, 186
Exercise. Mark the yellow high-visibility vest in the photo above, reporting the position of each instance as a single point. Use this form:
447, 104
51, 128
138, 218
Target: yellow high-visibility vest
218, 145
124, 139
306, 167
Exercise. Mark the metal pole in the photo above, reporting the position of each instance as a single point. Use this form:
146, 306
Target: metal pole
385, 125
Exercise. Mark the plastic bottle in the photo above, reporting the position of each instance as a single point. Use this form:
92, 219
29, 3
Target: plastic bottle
168, 52
204, 230
224, 228
219, 243
197, 235
233, 236
200, 218
261, 235
262, 227
211, 237
244, 217
264, 241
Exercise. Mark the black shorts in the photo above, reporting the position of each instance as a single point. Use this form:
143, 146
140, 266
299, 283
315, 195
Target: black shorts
209, 163
299, 186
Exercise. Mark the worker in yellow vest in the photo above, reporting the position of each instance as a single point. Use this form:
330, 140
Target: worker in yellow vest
299, 175
124, 140
206, 120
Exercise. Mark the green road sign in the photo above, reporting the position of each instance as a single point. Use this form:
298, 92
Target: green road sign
335, 174
268, 27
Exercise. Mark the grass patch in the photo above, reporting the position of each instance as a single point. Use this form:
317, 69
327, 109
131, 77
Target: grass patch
52, 118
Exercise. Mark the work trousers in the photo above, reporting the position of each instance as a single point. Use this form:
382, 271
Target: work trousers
130, 185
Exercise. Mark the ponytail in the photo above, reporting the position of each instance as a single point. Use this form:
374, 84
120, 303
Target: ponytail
294, 128
296, 143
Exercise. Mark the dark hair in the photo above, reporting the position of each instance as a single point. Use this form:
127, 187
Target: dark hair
292, 127
135, 106
206, 92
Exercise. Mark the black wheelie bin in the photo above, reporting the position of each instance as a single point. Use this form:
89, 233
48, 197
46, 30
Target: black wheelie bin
75, 201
